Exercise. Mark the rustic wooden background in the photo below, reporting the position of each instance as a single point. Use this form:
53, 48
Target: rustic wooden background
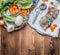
28, 42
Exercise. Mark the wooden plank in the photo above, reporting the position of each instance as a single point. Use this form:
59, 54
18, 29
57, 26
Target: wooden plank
7, 43
59, 43
47, 45
39, 43
28, 42
0, 40
19, 42
24, 43
52, 44
0, 33
56, 45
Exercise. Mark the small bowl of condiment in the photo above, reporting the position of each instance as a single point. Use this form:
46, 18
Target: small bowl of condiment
14, 9
43, 6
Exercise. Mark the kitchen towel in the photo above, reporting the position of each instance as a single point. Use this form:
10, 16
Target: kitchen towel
36, 25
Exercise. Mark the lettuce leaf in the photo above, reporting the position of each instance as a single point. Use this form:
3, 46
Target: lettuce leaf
26, 3
6, 3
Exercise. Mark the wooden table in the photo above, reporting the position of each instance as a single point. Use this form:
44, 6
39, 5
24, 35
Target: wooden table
28, 42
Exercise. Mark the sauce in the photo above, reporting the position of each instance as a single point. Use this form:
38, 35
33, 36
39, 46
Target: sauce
24, 12
14, 9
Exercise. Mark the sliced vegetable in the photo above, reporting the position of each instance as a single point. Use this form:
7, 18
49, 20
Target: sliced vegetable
55, 25
8, 18
52, 28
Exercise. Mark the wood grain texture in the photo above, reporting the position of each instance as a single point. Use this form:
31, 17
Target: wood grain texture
28, 42
0, 33
0, 40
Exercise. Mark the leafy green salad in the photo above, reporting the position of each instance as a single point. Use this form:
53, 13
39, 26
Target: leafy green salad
6, 3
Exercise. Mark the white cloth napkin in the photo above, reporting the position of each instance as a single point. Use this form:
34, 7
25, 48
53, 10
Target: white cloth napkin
37, 26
